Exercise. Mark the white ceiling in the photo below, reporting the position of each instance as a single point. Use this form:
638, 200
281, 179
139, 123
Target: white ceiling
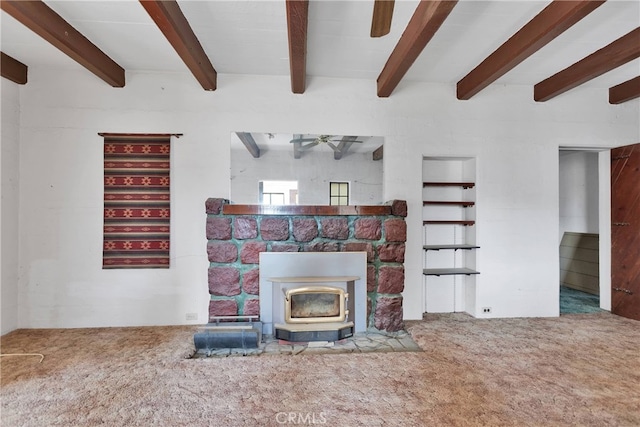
250, 37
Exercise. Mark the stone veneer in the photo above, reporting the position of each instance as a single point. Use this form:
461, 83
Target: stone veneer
237, 234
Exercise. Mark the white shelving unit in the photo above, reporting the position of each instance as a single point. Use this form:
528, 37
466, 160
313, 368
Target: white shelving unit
449, 233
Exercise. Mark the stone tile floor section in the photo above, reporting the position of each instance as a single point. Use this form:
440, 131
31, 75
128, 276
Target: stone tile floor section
574, 301
362, 342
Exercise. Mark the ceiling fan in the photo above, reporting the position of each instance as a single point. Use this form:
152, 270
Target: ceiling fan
325, 139
382, 15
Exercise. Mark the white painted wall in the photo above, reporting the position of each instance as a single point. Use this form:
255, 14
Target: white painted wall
579, 193
514, 140
9, 204
604, 219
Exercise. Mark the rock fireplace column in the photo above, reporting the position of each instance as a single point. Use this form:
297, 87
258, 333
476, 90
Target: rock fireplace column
237, 234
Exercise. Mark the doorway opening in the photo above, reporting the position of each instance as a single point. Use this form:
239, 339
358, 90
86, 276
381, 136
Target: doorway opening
584, 232
278, 192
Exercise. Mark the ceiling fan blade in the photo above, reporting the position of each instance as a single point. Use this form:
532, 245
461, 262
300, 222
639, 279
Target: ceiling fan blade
309, 145
303, 140
342, 140
382, 14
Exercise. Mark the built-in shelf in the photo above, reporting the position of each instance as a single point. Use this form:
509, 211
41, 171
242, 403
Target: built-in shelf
464, 204
452, 222
449, 184
449, 233
449, 247
448, 271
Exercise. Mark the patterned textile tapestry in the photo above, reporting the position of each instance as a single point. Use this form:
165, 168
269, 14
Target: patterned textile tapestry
136, 201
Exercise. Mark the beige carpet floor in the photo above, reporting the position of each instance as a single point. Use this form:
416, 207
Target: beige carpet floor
576, 370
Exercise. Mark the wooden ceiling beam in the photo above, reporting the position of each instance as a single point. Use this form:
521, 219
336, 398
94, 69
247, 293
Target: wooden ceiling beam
171, 21
341, 149
249, 143
297, 23
552, 21
615, 54
425, 22
625, 91
345, 143
297, 145
13, 69
42, 20
378, 153
297, 150
382, 17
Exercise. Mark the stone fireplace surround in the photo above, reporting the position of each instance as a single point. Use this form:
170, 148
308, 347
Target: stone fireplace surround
237, 234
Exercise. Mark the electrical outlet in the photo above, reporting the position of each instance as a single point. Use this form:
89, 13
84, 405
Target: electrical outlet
486, 310
191, 316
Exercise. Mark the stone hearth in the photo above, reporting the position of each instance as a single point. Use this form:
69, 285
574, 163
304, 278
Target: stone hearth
364, 342
237, 234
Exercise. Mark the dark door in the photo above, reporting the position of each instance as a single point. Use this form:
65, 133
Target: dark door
625, 231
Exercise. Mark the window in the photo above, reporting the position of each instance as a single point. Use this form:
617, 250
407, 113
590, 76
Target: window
339, 193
